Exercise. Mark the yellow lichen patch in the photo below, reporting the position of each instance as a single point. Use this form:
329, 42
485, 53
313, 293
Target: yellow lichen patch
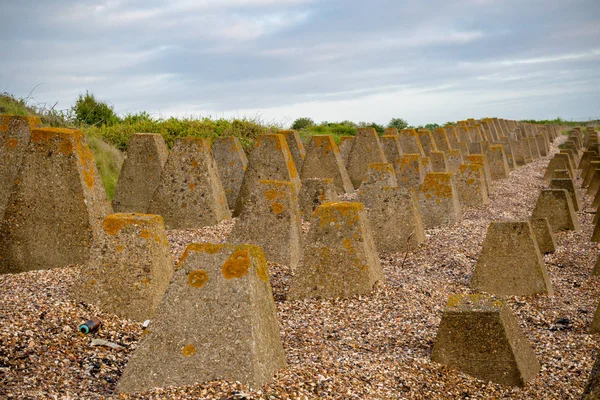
192, 185
237, 265
113, 224
88, 178
188, 350
119, 248
348, 245
339, 212
66, 147
438, 183
145, 233
12, 143
277, 208
381, 167
194, 164
3, 127
292, 167
197, 278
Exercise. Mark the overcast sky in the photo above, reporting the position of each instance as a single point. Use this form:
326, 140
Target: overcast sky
421, 60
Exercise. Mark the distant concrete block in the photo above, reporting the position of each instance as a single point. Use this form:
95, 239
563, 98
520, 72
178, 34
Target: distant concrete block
141, 172
438, 161
569, 186
296, 147
313, 193
438, 200
470, 185
366, 150
410, 170
497, 162
232, 163
543, 235
557, 207
323, 160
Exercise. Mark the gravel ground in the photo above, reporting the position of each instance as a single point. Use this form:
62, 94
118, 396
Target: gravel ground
374, 347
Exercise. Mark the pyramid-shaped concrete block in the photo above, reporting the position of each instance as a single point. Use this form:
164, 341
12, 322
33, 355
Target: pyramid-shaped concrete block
438, 200
438, 160
497, 162
510, 262
543, 235
391, 146
554, 164
131, 268
591, 174
556, 205
440, 137
410, 170
596, 234
479, 335
190, 194
323, 160
394, 218
542, 144
508, 151
270, 218
409, 142
345, 146
366, 149
470, 185
339, 258
57, 204
141, 172
313, 193
480, 159
296, 147
231, 163
270, 159
569, 186
452, 137
217, 321
426, 141
533, 147
454, 159
562, 174
15, 133
378, 176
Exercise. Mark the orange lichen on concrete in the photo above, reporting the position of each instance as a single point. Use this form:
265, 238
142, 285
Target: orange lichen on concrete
197, 278
391, 132
237, 265
188, 350
475, 159
438, 184
200, 248
325, 142
338, 213
470, 167
277, 208
12, 143
3, 127
115, 222
260, 261
381, 167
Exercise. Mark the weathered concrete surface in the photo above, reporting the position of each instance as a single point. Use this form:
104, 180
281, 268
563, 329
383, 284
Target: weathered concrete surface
542, 231
131, 268
569, 186
56, 207
365, 150
296, 147
438, 161
438, 200
269, 160
497, 162
323, 160
410, 170
480, 159
15, 133
394, 218
141, 172
440, 137
452, 137
231, 163
510, 262
556, 205
270, 218
470, 185
345, 146
378, 176
409, 142
391, 146
480, 336
453, 160
561, 174
190, 194
426, 141
313, 193
554, 164
217, 320
339, 258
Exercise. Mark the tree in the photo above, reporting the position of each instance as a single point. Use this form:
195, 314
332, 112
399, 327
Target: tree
398, 123
303, 123
432, 126
89, 111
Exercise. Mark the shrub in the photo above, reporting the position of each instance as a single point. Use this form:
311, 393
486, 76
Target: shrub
303, 123
89, 111
398, 123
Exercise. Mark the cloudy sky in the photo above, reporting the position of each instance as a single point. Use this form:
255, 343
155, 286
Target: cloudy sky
424, 61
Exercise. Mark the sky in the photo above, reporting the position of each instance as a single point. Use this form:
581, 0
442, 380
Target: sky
277, 60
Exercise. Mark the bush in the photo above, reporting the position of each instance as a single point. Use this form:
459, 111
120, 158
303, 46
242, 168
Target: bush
302, 123
89, 111
398, 123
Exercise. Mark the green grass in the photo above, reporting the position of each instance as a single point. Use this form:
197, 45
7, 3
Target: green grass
109, 160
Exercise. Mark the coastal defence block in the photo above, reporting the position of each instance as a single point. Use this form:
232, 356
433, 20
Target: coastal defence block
479, 335
141, 172
15, 133
569, 186
131, 269
339, 258
270, 218
510, 262
470, 185
410, 170
313, 193
57, 204
323, 160
296, 147
557, 207
190, 194
366, 149
270, 159
217, 320
438, 200
497, 162
231, 163
543, 235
